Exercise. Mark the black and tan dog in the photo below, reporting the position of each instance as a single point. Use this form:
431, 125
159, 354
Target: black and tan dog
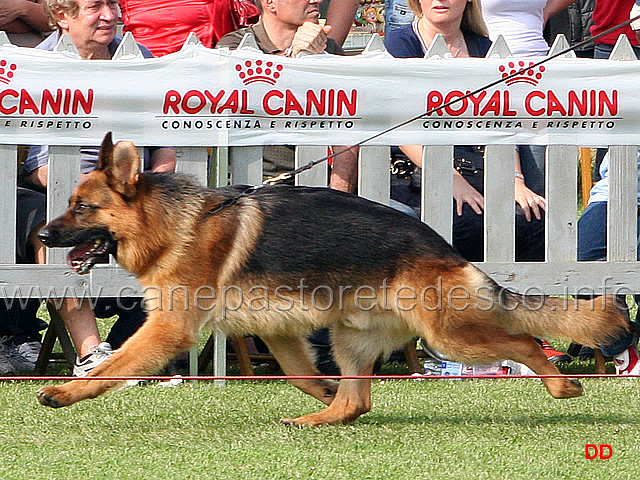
281, 261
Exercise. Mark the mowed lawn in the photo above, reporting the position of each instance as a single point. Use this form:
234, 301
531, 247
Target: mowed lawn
434, 429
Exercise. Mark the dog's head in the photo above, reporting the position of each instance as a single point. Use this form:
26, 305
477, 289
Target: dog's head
96, 218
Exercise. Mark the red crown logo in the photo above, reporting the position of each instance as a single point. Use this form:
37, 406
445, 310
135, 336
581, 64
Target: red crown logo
259, 71
7, 71
524, 75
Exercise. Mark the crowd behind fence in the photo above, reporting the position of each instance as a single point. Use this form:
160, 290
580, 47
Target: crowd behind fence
559, 274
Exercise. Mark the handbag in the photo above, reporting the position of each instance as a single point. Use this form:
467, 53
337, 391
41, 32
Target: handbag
468, 161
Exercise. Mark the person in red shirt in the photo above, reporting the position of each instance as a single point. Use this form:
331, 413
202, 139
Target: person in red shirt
163, 26
607, 14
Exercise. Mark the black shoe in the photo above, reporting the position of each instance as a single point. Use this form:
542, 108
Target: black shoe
586, 353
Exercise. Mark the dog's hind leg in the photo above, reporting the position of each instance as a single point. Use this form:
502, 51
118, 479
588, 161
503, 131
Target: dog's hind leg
355, 353
530, 353
160, 338
481, 343
296, 358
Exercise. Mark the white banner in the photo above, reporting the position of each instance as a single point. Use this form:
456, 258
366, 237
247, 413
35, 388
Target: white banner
202, 97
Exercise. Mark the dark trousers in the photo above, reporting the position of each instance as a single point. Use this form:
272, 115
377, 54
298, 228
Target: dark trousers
592, 246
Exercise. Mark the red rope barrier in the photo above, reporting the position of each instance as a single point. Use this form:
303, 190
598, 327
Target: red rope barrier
313, 377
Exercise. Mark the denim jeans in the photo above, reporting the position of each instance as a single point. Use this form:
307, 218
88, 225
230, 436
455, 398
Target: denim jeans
603, 51
592, 246
397, 14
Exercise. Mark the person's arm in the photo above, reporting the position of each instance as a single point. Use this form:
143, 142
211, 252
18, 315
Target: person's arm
36, 166
528, 200
463, 192
555, 6
163, 160
344, 171
340, 15
33, 14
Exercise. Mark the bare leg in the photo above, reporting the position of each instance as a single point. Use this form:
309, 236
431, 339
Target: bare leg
81, 324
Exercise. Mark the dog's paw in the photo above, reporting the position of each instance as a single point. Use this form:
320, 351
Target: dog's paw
51, 397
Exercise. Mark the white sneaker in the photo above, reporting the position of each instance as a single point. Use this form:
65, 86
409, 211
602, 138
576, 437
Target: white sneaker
23, 357
627, 363
6, 368
97, 355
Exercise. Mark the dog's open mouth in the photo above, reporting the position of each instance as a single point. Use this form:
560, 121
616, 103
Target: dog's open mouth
85, 255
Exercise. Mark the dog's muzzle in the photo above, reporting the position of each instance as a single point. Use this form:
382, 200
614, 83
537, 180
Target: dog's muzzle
89, 246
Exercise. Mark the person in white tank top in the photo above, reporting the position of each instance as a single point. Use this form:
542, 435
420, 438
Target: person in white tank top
521, 23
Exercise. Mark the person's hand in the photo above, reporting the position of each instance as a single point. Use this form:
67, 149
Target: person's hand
310, 37
529, 201
463, 193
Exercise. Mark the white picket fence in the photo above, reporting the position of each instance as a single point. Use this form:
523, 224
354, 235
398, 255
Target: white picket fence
559, 274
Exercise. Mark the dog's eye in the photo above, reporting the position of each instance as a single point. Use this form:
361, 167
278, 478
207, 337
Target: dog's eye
81, 208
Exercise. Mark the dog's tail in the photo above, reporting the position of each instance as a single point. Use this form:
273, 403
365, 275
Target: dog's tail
589, 322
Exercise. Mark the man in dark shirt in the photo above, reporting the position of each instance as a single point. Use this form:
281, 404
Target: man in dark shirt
286, 28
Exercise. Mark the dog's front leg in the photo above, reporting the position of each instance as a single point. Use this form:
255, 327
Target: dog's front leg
158, 340
295, 356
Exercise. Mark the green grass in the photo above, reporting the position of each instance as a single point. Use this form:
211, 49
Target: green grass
442, 429
432, 429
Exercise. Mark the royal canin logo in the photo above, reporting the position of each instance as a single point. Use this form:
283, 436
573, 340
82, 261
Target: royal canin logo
7, 71
20, 101
531, 75
537, 102
323, 102
259, 71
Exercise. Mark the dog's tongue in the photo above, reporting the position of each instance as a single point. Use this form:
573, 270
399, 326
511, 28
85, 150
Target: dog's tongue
79, 259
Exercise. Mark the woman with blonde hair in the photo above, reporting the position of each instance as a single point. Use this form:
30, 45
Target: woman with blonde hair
460, 24
471, 17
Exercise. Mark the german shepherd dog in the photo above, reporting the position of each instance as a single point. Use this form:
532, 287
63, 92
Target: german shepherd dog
281, 261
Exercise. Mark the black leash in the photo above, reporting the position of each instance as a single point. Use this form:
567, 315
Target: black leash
230, 201
288, 175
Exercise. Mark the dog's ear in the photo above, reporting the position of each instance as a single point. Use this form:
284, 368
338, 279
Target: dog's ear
105, 159
121, 164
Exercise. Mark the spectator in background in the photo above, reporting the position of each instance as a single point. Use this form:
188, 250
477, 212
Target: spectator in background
91, 24
521, 23
635, 25
461, 25
287, 27
163, 26
19, 326
608, 14
340, 15
592, 246
574, 22
463, 30
25, 22
397, 14
522, 26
